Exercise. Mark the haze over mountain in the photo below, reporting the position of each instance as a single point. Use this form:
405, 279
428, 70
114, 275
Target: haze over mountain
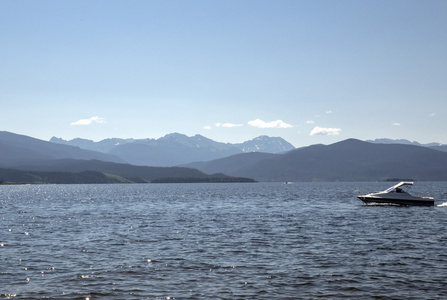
175, 148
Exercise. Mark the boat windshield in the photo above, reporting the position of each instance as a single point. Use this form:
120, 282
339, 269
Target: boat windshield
398, 187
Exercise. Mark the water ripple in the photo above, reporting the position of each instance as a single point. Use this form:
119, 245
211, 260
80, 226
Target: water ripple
219, 241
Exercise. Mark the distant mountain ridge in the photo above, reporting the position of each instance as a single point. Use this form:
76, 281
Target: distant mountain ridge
176, 149
265, 144
436, 146
102, 146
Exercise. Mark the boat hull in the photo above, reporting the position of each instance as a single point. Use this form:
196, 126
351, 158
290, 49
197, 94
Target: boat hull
396, 201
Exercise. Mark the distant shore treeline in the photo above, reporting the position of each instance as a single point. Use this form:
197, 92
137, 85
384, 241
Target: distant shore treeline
10, 176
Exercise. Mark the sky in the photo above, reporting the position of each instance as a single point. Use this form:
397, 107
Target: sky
308, 71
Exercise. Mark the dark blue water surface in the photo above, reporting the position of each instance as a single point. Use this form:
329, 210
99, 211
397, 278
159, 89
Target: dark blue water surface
220, 241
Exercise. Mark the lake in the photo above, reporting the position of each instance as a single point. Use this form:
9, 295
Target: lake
220, 241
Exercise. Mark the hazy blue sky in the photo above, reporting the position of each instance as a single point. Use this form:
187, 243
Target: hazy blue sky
308, 71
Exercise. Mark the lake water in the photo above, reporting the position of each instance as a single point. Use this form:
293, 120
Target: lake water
220, 241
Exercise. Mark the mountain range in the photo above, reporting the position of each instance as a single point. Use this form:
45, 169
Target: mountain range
29, 160
349, 160
176, 149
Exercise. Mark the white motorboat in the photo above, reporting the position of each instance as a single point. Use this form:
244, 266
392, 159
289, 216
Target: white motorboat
398, 195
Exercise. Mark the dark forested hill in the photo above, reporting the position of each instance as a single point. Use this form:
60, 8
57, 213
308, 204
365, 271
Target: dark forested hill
95, 171
18, 176
124, 170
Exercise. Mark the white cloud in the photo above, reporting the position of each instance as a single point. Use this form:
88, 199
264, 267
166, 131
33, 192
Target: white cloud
329, 111
207, 127
273, 124
325, 131
432, 115
228, 125
89, 121
310, 122
396, 124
